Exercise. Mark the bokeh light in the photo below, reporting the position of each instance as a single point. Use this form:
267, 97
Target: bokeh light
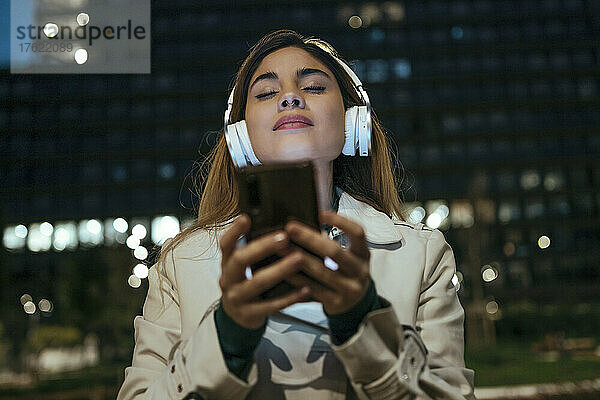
120, 225
141, 253
29, 307
544, 242
355, 22
141, 271
132, 242
81, 56
139, 231
134, 281
45, 305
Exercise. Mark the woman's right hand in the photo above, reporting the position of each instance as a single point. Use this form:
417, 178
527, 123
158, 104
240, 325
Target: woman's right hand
240, 296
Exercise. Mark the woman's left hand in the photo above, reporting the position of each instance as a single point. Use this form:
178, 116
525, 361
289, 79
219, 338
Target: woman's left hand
338, 290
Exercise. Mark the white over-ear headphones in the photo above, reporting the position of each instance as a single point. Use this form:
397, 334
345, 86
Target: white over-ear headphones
357, 130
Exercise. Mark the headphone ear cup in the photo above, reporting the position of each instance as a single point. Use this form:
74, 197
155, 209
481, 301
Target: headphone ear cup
363, 131
349, 148
246, 145
234, 146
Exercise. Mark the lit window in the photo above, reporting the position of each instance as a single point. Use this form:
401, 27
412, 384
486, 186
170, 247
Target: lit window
530, 179
402, 68
14, 237
39, 238
166, 170
91, 232
461, 214
65, 236
377, 70
508, 211
554, 180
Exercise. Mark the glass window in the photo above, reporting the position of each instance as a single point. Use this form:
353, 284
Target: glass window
475, 122
165, 137
554, 180
534, 208
578, 177
487, 34
402, 68
141, 169
517, 90
532, 30
92, 202
117, 109
559, 206
92, 172
583, 204
166, 170
377, 70
501, 149
518, 272
407, 154
140, 110
165, 109
554, 28
583, 58
506, 180
431, 153
541, 88
119, 173
560, 60
530, 179
455, 151
498, 120
508, 211
565, 87
478, 150
536, 62
587, 88
452, 123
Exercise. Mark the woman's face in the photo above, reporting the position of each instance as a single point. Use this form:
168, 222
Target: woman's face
294, 109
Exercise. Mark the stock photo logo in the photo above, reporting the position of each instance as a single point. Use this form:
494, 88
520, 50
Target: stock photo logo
104, 36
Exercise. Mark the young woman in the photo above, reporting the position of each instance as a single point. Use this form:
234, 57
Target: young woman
384, 323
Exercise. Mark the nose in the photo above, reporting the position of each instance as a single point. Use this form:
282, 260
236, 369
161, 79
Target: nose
291, 100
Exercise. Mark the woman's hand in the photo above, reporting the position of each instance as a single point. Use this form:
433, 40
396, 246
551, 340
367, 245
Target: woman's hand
338, 290
240, 296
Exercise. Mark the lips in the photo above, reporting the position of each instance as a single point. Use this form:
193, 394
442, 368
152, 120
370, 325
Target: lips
292, 122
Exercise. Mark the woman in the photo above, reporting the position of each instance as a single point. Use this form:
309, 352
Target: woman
387, 324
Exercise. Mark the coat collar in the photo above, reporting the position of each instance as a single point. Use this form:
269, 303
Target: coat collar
379, 228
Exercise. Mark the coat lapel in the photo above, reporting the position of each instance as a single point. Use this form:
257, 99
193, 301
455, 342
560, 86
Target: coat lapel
380, 230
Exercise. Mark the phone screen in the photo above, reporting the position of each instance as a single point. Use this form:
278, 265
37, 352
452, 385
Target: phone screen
272, 195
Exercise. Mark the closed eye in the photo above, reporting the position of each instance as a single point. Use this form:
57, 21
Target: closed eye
314, 88
266, 94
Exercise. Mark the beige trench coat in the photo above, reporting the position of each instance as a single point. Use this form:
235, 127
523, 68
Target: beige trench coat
177, 351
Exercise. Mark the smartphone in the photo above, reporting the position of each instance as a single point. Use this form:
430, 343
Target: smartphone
272, 195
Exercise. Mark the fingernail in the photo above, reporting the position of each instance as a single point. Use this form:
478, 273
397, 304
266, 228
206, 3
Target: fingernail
279, 237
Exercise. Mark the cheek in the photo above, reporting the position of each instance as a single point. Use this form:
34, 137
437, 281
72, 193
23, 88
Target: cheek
259, 126
334, 121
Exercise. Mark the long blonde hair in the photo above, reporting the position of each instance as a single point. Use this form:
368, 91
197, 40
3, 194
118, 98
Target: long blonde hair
369, 179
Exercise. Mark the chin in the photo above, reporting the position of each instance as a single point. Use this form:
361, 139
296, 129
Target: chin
294, 150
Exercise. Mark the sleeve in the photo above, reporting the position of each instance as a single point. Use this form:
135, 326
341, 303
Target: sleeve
237, 343
343, 326
387, 360
163, 366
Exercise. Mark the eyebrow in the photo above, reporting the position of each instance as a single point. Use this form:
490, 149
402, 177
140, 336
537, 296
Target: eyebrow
301, 73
